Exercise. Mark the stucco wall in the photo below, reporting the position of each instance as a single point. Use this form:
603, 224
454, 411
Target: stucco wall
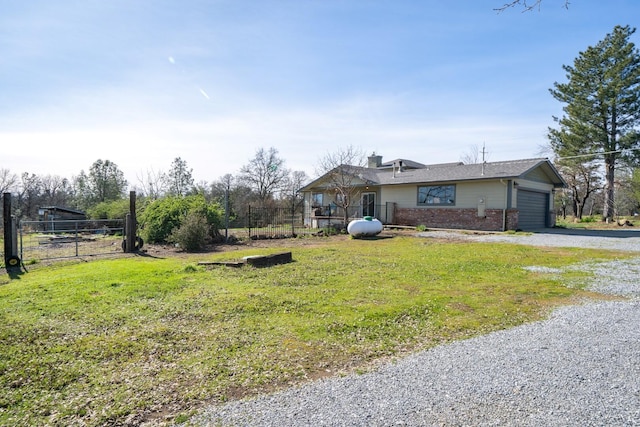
467, 195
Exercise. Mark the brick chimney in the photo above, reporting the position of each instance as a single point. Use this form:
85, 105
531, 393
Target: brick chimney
374, 161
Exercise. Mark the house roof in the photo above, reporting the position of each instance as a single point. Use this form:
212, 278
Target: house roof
454, 172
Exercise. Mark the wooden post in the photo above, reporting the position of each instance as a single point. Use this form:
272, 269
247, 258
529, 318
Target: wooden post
131, 226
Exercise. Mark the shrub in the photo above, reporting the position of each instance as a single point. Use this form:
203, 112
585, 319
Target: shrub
192, 234
161, 217
115, 209
588, 219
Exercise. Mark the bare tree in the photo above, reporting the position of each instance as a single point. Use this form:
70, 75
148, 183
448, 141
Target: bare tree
265, 174
471, 156
583, 180
202, 187
294, 182
8, 181
526, 6
221, 187
153, 185
56, 190
474, 155
343, 169
234, 195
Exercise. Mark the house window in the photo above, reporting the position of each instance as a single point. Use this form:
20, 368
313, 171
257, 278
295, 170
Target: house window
316, 200
437, 195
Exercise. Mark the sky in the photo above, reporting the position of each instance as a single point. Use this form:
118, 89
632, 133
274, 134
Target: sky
141, 82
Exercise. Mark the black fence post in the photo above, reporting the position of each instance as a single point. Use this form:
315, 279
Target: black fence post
11, 259
8, 238
226, 214
131, 226
293, 219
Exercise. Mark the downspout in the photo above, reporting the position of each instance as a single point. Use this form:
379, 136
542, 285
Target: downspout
506, 204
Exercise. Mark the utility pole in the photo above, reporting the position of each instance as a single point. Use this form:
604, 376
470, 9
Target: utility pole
484, 152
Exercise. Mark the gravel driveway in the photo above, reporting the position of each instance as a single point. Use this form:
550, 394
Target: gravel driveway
581, 367
623, 239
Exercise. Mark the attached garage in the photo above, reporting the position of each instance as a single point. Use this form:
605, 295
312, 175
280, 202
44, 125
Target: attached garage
533, 208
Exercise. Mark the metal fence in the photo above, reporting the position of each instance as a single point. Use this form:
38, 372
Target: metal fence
273, 223
333, 216
44, 240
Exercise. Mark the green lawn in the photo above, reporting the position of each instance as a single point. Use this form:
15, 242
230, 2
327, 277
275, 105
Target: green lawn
594, 223
142, 338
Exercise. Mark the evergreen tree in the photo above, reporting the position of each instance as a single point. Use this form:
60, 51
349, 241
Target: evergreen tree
106, 181
179, 178
602, 111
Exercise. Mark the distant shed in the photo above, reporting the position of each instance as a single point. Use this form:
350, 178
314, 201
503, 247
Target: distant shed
58, 213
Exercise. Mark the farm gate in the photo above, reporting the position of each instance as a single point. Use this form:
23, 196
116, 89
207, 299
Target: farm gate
45, 240
28, 241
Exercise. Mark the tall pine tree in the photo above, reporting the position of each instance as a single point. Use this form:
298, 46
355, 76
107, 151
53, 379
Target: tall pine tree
602, 111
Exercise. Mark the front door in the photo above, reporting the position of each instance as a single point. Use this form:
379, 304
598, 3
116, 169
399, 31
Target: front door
368, 204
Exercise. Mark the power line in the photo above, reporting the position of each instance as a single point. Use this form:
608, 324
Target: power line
597, 154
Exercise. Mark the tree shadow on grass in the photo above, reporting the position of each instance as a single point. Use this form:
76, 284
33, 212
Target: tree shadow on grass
378, 237
621, 233
147, 255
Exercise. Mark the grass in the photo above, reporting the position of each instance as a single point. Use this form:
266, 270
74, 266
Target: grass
592, 223
123, 341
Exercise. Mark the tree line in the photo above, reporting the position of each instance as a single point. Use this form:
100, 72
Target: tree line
101, 191
172, 207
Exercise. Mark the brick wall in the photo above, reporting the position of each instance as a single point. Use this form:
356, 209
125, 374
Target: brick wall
466, 219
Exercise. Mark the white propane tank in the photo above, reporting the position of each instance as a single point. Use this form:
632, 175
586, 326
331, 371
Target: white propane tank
364, 227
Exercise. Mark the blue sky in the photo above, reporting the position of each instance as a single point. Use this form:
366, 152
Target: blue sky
141, 82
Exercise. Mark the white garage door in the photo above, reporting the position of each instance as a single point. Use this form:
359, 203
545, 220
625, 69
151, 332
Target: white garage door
533, 207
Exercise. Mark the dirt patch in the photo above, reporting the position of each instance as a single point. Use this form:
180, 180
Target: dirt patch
166, 251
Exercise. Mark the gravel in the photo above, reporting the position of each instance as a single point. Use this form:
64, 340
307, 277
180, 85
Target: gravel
622, 240
581, 367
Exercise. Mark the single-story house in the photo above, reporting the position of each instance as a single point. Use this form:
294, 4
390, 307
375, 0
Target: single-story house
492, 196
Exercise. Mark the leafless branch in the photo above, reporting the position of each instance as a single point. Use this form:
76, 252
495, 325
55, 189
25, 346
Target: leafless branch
527, 6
